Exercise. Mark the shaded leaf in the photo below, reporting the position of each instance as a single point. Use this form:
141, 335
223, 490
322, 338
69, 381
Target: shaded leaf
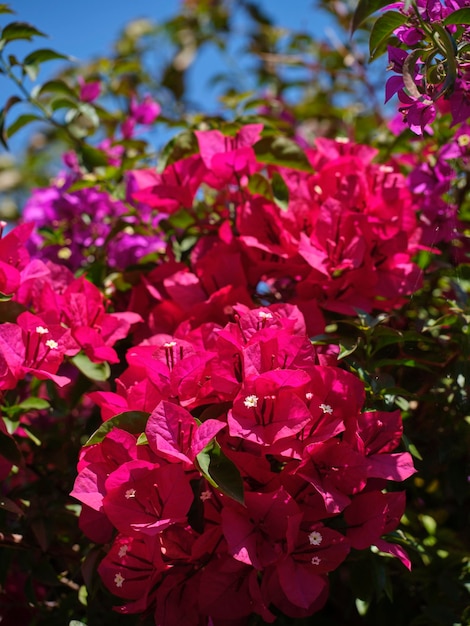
283, 152
260, 185
133, 422
12, 100
42, 55
221, 472
9, 449
461, 16
381, 31
364, 9
57, 87
20, 30
9, 505
92, 157
21, 122
280, 191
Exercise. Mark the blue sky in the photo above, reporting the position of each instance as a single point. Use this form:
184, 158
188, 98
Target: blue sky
87, 28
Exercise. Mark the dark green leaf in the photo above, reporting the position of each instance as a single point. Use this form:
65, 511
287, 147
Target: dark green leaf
283, 152
260, 185
92, 157
461, 16
4, 8
9, 505
182, 146
381, 31
133, 422
42, 55
56, 87
93, 371
9, 449
20, 122
364, 9
20, 30
12, 100
280, 191
221, 472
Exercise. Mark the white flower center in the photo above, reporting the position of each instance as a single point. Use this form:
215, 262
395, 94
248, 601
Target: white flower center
41, 330
326, 408
119, 579
251, 402
123, 551
265, 316
53, 345
315, 538
130, 493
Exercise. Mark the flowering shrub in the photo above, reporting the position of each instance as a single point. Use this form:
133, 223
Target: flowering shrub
208, 416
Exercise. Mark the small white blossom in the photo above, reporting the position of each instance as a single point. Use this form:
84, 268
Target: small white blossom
251, 402
53, 345
308, 395
41, 330
130, 493
205, 495
169, 344
265, 316
326, 408
316, 560
315, 538
119, 579
123, 551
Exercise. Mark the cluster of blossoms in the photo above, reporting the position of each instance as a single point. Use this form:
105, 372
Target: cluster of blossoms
240, 466
432, 63
236, 465
345, 240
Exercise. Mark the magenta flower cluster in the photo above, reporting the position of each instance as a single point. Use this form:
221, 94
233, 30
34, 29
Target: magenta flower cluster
288, 422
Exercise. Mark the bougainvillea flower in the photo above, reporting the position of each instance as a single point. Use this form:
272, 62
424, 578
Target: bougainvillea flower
131, 570
373, 514
174, 433
143, 497
264, 531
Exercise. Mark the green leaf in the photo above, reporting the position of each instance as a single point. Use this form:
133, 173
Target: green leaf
4, 8
20, 30
461, 16
280, 191
364, 9
133, 422
283, 152
182, 146
221, 472
12, 100
260, 185
94, 371
92, 157
31, 404
9, 449
381, 31
56, 87
42, 55
21, 122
